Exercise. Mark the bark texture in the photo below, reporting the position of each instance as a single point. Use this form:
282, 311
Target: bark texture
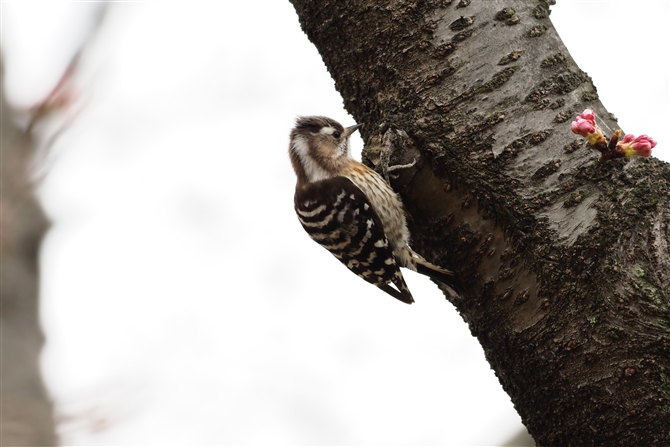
27, 411
565, 262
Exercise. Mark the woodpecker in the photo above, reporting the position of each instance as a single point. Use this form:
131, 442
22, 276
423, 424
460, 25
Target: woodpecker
351, 211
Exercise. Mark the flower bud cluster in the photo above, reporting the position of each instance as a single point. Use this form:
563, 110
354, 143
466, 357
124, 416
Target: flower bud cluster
630, 146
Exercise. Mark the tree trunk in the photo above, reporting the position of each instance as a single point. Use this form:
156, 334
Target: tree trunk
565, 262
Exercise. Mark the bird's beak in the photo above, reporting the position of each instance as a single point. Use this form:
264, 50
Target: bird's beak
351, 129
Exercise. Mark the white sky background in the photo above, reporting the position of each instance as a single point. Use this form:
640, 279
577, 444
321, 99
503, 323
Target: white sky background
182, 301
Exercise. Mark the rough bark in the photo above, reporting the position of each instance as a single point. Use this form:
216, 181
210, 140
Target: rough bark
27, 411
565, 262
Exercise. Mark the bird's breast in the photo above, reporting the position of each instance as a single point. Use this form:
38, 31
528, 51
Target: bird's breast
384, 201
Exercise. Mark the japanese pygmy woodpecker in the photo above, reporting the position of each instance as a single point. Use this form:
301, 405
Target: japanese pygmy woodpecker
350, 210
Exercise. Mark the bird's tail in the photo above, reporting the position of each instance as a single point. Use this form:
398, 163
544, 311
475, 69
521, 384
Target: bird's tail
437, 273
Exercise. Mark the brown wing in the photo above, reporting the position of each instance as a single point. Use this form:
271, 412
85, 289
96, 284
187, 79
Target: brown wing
337, 215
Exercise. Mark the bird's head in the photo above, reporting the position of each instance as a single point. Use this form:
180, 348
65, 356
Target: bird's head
319, 148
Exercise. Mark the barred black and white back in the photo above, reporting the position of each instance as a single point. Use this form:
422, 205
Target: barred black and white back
350, 210
348, 227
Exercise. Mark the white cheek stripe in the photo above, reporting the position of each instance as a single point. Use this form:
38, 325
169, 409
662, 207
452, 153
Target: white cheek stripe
313, 171
300, 146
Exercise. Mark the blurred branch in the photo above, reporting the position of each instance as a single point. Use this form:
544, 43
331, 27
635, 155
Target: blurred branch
26, 409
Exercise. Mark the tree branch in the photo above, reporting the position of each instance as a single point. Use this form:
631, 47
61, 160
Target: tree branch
26, 408
565, 261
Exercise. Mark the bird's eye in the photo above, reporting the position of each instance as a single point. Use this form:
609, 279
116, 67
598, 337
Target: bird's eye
336, 134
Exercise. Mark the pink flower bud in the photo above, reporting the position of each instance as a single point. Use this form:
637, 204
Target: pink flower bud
584, 124
636, 146
589, 115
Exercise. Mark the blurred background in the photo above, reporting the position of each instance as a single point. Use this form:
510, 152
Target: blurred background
181, 301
